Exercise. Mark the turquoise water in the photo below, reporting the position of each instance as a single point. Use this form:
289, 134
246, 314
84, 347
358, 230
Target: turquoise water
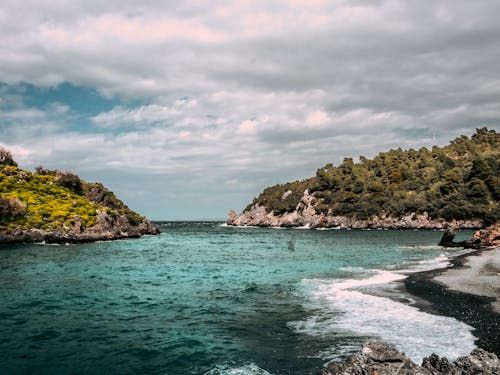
205, 298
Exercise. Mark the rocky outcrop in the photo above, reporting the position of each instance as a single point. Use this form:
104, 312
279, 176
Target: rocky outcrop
382, 359
109, 227
305, 215
483, 238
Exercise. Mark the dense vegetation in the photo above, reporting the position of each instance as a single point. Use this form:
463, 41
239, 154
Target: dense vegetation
458, 181
52, 199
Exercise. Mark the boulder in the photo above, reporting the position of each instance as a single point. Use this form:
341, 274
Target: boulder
382, 359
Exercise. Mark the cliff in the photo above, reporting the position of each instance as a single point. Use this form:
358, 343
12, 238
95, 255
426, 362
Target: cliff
453, 186
55, 206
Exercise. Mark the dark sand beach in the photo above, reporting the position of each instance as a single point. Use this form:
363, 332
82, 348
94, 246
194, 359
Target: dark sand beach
468, 290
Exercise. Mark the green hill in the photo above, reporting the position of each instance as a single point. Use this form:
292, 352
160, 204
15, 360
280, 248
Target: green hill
460, 181
58, 206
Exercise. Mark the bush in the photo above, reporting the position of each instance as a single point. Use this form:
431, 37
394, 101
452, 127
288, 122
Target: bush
11, 207
6, 158
70, 181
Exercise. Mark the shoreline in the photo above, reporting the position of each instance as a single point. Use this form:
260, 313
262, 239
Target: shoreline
460, 300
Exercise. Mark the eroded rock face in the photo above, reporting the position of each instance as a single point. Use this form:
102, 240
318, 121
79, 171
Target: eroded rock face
382, 359
305, 215
108, 227
488, 237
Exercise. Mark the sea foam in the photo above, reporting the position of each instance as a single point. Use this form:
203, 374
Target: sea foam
229, 369
345, 307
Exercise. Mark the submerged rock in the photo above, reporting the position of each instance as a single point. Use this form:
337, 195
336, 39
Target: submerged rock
382, 359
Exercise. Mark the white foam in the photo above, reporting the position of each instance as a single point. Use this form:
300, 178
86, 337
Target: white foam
421, 247
352, 269
442, 261
341, 308
246, 369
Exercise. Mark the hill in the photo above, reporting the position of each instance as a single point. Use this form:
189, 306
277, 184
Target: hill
455, 185
57, 206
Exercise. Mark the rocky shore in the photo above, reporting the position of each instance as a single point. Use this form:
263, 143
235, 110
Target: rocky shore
305, 215
468, 290
108, 227
382, 359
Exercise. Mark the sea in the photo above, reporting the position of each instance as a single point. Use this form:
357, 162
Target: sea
206, 298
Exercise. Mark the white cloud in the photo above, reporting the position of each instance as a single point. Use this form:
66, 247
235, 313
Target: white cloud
244, 94
248, 126
317, 118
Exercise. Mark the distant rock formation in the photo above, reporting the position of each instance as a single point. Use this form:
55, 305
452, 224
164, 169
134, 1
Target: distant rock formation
305, 215
382, 359
483, 238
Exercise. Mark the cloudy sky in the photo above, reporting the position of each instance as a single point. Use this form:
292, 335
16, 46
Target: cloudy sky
186, 109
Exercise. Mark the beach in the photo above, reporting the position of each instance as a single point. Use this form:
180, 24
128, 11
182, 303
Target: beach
479, 275
468, 290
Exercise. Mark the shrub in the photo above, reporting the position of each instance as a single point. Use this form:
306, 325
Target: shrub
6, 158
70, 181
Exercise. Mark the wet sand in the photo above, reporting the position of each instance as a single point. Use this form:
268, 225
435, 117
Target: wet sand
468, 291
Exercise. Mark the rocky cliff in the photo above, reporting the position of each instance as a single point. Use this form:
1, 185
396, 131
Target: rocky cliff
305, 215
382, 359
109, 226
55, 206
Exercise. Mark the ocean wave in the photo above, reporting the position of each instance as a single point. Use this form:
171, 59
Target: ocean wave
343, 307
231, 369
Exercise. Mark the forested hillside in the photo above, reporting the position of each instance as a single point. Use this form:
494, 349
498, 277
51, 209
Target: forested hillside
459, 181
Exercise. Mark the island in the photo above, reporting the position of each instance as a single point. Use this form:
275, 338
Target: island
455, 186
54, 206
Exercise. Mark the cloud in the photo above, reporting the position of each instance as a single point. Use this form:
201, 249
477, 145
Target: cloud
187, 98
248, 126
317, 118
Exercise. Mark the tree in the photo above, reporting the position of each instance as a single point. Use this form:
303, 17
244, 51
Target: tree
6, 158
70, 181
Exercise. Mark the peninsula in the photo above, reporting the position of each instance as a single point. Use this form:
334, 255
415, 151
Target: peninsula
455, 186
59, 207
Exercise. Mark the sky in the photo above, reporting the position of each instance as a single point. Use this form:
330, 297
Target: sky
187, 109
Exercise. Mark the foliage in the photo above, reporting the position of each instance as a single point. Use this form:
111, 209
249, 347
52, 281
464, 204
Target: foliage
98, 194
6, 158
47, 205
281, 198
70, 181
52, 200
11, 207
458, 181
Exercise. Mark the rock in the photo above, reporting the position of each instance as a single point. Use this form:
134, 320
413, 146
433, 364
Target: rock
108, 227
484, 238
448, 237
375, 358
379, 359
305, 215
488, 237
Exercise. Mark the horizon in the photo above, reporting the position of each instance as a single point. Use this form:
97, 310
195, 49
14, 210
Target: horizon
187, 111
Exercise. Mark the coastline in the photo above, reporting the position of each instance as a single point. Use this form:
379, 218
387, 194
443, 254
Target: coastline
456, 292
108, 228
